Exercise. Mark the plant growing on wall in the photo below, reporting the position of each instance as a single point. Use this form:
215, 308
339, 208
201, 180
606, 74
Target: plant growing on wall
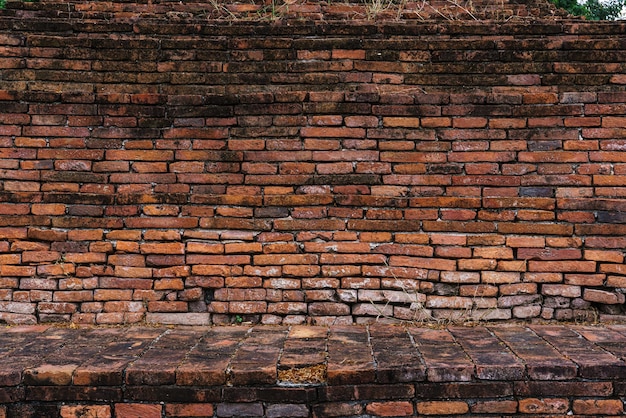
593, 9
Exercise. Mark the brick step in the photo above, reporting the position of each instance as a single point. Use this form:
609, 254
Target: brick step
302, 371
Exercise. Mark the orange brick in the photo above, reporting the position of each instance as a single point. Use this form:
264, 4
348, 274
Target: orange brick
167, 284
176, 271
477, 264
127, 246
442, 408
85, 258
543, 406
240, 247
528, 242
606, 256
20, 271
10, 259
205, 247
85, 411
478, 291
518, 289
356, 54
124, 235
48, 209
598, 407
162, 248
161, 210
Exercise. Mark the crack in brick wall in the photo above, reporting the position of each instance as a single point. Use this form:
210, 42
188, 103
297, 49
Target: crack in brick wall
309, 171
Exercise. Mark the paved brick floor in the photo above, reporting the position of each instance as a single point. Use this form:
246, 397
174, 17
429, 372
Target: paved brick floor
237, 365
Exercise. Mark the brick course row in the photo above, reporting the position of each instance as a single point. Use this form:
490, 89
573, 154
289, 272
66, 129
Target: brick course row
290, 172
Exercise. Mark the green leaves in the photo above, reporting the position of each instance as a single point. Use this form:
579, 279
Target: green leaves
593, 9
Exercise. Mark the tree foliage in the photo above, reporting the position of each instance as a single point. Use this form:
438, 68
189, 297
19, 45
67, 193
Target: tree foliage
593, 9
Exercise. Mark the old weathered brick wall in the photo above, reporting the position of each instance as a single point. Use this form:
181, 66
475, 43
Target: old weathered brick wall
156, 164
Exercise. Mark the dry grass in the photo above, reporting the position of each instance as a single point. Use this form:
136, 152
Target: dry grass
315, 374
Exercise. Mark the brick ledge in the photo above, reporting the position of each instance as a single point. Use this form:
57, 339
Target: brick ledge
312, 371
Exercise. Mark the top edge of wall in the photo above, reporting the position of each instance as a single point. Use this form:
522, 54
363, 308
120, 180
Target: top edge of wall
289, 11
301, 17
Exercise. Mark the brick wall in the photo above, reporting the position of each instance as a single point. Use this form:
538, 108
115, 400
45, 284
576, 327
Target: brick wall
172, 168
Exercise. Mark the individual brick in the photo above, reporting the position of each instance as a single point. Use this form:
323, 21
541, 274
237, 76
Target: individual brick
132, 410
544, 406
389, 409
189, 409
103, 411
598, 406
442, 408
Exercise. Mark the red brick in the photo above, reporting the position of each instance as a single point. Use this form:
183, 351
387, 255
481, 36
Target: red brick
428, 263
448, 302
562, 266
338, 409
167, 306
328, 132
73, 296
602, 296
189, 410
389, 409
496, 277
247, 307
137, 410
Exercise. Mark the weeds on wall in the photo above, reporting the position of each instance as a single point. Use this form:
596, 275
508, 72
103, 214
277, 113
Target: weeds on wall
276, 10
3, 3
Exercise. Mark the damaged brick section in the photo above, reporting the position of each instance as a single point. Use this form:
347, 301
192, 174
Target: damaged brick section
327, 165
312, 371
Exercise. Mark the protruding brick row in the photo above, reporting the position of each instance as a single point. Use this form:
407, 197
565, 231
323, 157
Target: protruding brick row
280, 371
